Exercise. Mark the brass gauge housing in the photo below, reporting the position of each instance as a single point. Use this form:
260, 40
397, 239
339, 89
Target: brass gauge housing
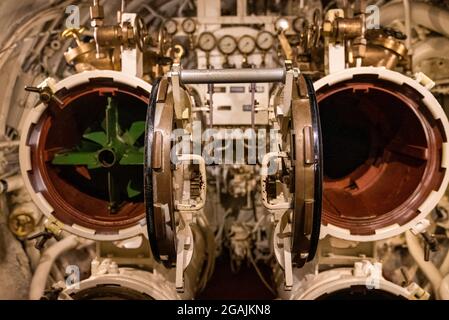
246, 45
171, 26
207, 41
189, 26
227, 45
265, 41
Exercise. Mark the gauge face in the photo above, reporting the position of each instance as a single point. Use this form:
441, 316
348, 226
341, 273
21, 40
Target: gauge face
171, 26
282, 24
265, 40
247, 44
207, 41
227, 45
189, 26
300, 24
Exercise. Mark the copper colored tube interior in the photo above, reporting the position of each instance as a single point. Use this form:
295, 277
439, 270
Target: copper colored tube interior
362, 293
382, 154
79, 195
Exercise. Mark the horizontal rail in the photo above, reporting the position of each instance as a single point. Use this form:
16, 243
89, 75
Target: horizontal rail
232, 76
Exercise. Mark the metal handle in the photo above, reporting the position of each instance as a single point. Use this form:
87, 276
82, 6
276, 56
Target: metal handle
265, 172
198, 205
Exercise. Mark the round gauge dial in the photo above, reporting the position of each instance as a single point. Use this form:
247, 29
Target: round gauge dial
189, 26
300, 24
227, 45
171, 26
282, 24
207, 41
247, 44
265, 40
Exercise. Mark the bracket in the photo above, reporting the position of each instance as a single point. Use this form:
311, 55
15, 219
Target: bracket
184, 253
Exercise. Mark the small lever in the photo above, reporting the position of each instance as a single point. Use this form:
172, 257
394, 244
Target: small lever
431, 245
211, 90
253, 105
44, 237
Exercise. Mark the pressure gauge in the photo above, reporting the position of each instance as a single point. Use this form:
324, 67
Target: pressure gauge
227, 45
247, 45
189, 26
207, 41
300, 24
265, 40
171, 26
282, 25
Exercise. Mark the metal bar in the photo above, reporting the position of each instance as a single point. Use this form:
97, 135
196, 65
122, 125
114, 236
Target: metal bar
253, 105
211, 104
232, 76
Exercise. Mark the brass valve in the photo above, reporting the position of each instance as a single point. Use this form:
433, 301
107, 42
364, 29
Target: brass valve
73, 33
46, 94
344, 28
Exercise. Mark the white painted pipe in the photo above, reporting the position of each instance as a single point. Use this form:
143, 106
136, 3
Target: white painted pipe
428, 268
444, 289
408, 25
444, 267
9, 144
11, 184
433, 47
424, 14
40, 277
